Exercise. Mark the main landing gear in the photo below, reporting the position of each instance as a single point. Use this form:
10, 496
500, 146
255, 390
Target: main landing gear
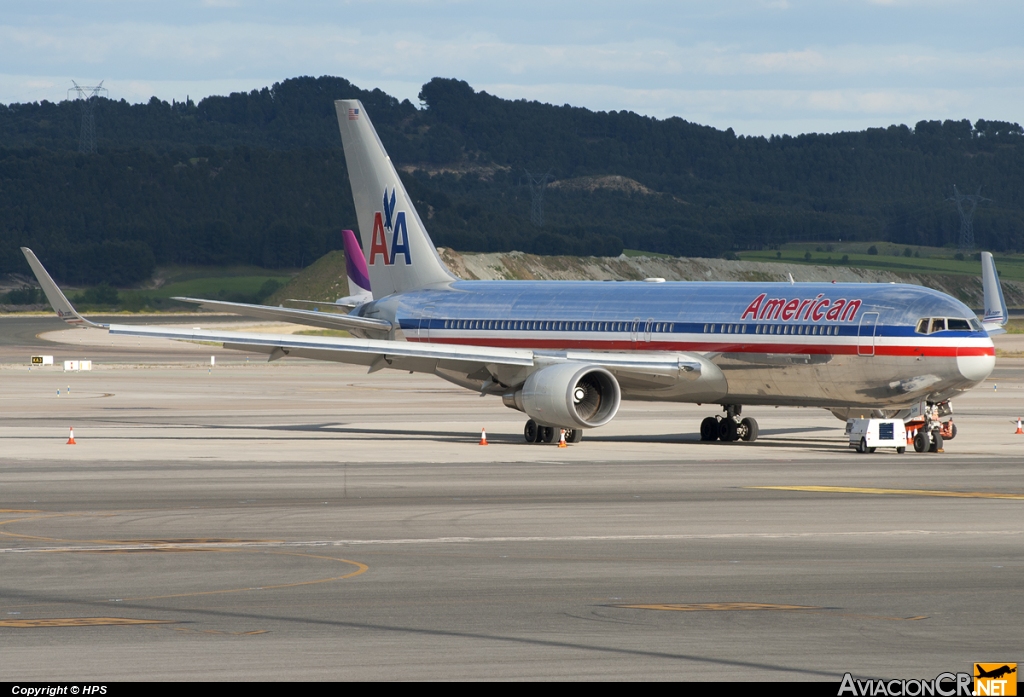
535, 433
729, 427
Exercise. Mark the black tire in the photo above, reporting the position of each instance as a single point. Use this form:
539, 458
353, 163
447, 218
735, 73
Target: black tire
862, 447
952, 431
574, 435
709, 429
727, 430
530, 431
547, 434
920, 443
901, 450
749, 429
936, 442
871, 450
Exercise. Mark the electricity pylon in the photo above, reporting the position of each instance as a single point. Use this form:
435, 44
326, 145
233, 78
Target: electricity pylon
88, 94
537, 186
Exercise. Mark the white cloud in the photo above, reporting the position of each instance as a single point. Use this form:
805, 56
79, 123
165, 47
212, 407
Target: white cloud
742, 62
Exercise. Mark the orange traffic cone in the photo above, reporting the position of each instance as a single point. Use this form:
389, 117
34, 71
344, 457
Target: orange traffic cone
561, 439
1020, 431
911, 432
71, 439
483, 436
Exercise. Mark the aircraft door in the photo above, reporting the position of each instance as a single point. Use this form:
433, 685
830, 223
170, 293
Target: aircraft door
647, 330
866, 334
428, 315
634, 331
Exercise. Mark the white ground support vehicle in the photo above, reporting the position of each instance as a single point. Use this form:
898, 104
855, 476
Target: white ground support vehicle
867, 434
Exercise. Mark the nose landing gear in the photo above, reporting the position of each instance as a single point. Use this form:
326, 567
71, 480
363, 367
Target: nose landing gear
729, 427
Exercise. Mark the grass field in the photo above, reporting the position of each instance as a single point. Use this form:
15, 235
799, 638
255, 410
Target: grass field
931, 260
234, 284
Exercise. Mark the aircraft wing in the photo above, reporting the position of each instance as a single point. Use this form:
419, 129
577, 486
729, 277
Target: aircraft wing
491, 366
327, 320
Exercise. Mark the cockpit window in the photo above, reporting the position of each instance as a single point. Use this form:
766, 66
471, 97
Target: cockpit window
930, 325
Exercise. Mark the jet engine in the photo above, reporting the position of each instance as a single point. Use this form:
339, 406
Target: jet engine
568, 395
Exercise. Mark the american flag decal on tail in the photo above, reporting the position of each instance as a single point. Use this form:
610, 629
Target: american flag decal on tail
353, 114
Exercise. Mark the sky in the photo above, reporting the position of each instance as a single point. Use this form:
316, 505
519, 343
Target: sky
761, 67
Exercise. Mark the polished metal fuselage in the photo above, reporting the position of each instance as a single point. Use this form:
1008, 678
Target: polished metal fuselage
810, 344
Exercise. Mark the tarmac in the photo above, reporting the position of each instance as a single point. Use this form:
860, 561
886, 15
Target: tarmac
298, 520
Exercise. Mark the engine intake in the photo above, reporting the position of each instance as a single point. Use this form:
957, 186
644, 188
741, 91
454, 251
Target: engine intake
568, 395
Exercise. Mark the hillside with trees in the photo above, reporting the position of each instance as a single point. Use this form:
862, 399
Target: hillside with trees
260, 179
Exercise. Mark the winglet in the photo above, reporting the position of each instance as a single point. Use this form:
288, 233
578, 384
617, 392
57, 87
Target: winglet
58, 302
996, 314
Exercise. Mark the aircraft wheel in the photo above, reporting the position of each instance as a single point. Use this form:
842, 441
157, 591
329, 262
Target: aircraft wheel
574, 435
901, 450
749, 429
936, 442
920, 442
709, 429
531, 431
952, 432
727, 430
547, 434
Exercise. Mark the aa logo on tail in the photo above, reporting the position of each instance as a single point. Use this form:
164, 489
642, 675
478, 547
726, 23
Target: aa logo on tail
389, 221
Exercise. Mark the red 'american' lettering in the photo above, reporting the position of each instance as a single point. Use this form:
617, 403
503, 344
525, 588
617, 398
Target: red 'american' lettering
802, 310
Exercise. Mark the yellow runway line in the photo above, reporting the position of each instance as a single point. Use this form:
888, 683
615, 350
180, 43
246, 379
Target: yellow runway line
896, 492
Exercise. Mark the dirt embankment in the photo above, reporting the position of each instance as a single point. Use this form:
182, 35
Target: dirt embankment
517, 265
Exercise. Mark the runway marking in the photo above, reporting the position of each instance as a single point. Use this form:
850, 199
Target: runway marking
77, 622
218, 632
747, 607
702, 607
525, 539
897, 492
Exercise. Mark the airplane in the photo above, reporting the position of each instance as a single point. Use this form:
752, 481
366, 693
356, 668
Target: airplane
567, 353
995, 673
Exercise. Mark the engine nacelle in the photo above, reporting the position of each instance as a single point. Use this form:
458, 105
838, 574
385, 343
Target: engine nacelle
568, 395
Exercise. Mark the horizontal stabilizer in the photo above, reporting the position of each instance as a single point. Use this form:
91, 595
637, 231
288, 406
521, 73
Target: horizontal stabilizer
325, 320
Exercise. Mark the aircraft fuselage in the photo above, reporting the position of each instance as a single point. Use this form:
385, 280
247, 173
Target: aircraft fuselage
811, 344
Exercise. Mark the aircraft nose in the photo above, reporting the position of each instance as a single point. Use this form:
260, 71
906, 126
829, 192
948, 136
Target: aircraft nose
976, 363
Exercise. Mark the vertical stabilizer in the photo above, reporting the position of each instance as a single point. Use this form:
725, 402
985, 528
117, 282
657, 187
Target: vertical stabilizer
996, 314
399, 253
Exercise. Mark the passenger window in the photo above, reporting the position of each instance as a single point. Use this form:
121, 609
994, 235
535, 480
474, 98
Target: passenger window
938, 325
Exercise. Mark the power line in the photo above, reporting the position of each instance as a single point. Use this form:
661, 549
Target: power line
87, 94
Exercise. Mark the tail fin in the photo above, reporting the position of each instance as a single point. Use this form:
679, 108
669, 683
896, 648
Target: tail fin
401, 256
58, 302
996, 314
355, 269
